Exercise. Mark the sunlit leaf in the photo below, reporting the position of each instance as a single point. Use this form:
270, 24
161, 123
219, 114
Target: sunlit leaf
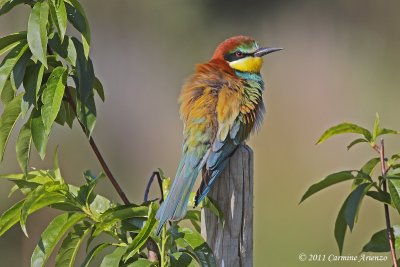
328, 181
39, 135
212, 205
10, 41
357, 141
181, 259
369, 166
52, 96
143, 263
52, 235
69, 248
8, 93
10, 115
114, 258
59, 16
344, 128
37, 31
376, 128
23, 146
10, 5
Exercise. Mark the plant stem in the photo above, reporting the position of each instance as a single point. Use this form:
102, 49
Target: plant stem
386, 207
97, 152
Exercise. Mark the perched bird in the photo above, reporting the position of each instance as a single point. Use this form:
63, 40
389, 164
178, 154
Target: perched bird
221, 104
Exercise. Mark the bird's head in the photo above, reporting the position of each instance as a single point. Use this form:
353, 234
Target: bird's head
242, 53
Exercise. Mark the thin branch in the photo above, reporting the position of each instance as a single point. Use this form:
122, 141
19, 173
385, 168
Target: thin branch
97, 152
151, 179
389, 230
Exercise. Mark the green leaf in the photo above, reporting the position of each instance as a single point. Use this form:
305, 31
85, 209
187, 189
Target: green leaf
383, 197
37, 31
18, 72
212, 205
52, 96
56, 167
181, 259
32, 83
376, 128
341, 226
59, 16
113, 259
99, 88
328, 181
379, 241
354, 202
384, 131
39, 135
195, 242
8, 93
69, 114
10, 115
10, 41
8, 63
2, 2
85, 72
77, 17
10, 5
35, 196
52, 235
195, 217
23, 146
69, 248
394, 189
369, 166
96, 250
143, 235
344, 128
143, 263
357, 141
62, 114
87, 114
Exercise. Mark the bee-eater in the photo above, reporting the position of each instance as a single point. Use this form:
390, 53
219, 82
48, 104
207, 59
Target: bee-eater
220, 105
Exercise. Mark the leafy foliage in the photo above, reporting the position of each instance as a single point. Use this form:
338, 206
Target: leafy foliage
47, 77
364, 183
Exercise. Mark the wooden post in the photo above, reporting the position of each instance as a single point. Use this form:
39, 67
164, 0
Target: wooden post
233, 192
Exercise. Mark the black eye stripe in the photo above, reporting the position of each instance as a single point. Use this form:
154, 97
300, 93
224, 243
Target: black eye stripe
233, 56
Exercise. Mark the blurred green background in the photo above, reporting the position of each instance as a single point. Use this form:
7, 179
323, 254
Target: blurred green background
341, 63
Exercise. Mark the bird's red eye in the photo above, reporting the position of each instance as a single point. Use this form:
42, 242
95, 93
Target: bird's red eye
238, 54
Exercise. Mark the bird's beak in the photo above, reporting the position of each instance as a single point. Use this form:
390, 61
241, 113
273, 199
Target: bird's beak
265, 50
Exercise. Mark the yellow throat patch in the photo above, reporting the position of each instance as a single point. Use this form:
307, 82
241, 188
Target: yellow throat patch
247, 64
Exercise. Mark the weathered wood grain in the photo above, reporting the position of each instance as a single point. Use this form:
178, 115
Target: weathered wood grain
233, 191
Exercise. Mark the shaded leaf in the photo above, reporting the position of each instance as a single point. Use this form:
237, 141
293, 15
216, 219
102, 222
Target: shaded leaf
37, 31
10, 61
10, 5
96, 250
354, 202
99, 88
394, 189
10, 115
18, 72
23, 146
52, 235
369, 166
379, 241
341, 226
328, 181
181, 259
383, 197
52, 96
143, 235
69, 248
32, 83
77, 17
357, 141
8, 93
344, 128
39, 135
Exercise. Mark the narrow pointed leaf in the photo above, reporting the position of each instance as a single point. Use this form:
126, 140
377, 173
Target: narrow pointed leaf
10, 115
39, 135
23, 146
355, 142
10, 41
96, 250
52, 235
328, 181
8, 63
376, 128
212, 205
141, 238
344, 128
181, 259
146, 263
32, 83
394, 189
8, 93
70, 246
354, 202
383, 197
59, 15
99, 88
341, 227
52, 96
379, 241
77, 17
18, 72
5, 8
37, 31
113, 259
370, 165
384, 131
85, 72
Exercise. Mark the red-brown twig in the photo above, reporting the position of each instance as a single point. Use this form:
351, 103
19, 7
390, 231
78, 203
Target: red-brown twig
97, 152
389, 230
